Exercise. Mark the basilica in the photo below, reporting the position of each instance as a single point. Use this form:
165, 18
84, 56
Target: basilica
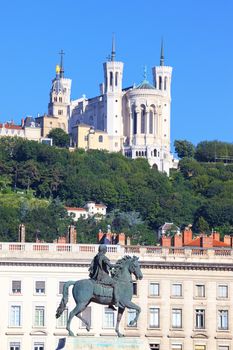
134, 120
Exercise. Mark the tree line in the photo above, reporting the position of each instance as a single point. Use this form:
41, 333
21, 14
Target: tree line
37, 181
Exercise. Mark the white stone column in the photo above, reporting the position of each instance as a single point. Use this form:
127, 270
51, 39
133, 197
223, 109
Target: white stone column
147, 121
138, 117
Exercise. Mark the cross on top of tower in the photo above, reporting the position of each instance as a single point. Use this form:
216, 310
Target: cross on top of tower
61, 53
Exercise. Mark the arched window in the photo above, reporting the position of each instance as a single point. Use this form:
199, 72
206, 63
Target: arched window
160, 83
151, 122
101, 138
134, 122
136, 153
111, 78
116, 78
139, 153
143, 119
165, 83
155, 152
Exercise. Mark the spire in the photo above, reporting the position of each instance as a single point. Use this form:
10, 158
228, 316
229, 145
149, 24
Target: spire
162, 54
62, 53
145, 73
113, 53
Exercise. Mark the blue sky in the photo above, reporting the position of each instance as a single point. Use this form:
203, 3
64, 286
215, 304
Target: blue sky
198, 39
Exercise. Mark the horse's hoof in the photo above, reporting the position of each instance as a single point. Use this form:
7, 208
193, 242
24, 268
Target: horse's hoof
120, 335
71, 334
88, 328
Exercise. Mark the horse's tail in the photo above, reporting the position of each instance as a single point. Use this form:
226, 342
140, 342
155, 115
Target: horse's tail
65, 296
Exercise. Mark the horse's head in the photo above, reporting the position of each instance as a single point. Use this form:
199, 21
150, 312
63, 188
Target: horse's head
134, 268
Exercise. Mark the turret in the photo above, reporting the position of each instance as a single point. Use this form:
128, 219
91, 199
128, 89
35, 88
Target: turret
113, 74
60, 95
162, 75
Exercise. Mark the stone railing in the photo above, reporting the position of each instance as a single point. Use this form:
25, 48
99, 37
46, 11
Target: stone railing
86, 250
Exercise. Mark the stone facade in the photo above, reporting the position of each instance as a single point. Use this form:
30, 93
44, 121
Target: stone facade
185, 296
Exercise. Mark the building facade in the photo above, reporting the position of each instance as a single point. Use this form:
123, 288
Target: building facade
89, 209
133, 120
185, 296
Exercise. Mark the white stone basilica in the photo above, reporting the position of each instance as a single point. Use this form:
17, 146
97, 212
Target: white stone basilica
135, 120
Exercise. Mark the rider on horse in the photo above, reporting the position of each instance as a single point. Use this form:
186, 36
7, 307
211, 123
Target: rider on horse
99, 271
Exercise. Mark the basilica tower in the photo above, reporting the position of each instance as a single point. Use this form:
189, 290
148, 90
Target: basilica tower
162, 75
113, 121
59, 102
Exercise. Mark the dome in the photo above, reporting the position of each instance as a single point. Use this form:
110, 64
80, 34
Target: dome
57, 86
145, 85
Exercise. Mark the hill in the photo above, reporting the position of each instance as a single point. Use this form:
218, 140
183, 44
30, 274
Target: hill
138, 197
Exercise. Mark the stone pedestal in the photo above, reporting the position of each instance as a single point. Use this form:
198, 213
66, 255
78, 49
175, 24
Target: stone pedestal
106, 343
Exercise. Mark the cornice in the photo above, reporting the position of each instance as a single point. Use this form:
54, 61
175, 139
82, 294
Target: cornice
156, 265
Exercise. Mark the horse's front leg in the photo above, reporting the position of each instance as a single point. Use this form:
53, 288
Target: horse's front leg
131, 305
119, 316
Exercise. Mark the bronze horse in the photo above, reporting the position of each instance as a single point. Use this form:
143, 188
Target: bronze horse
87, 290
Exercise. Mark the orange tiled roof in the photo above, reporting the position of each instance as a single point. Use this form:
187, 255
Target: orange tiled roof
10, 126
196, 242
75, 209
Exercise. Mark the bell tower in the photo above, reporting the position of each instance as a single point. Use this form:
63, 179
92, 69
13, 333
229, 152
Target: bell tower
113, 121
162, 75
60, 95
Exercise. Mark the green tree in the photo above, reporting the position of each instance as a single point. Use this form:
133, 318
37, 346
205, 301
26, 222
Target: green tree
184, 148
60, 137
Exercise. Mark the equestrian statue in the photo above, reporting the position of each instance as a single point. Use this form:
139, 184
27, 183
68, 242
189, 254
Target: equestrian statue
115, 290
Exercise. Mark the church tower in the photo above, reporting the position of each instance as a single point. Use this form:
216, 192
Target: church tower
162, 75
59, 103
113, 121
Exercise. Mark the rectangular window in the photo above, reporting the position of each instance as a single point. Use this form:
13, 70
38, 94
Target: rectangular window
15, 316
176, 318
109, 318
40, 287
39, 316
154, 347
154, 289
16, 287
154, 317
222, 291
135, 288
62, 320
200, 290
60, 99
176, 289
176, 346
86, 314
200, 347
61, 285
222, 319
38, 346
223, 347
131, 317
60, 112
200, 319
15, 346
86, 138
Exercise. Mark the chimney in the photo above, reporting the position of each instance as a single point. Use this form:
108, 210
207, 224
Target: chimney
177, 240
227, 240
166, 241
128, 241
22, 233
216, 236
206, 241
61, 240
187, 236
72, 235
22, 122
121, 238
